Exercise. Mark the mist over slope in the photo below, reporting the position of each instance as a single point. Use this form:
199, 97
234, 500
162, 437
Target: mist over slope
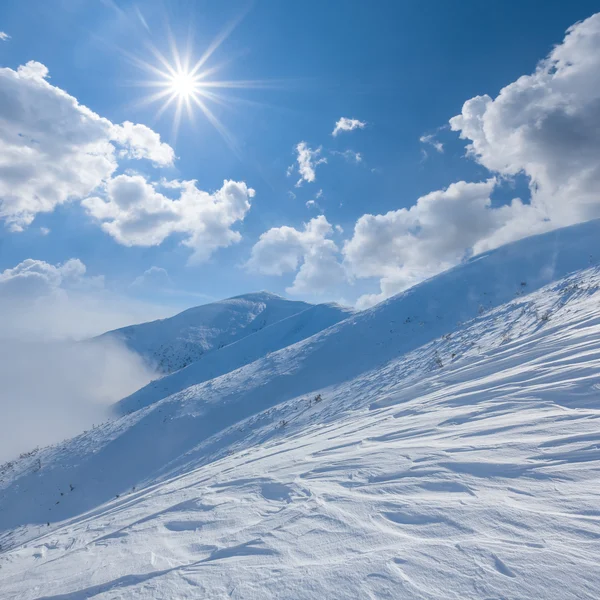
441, 443
173, 343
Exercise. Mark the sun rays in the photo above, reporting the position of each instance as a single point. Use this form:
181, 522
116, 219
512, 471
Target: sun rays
184, 87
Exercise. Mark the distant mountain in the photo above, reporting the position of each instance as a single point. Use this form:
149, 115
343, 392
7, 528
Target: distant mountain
173, 343
273, 337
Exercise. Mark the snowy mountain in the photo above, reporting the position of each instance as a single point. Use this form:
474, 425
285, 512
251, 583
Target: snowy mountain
237, 354
441, 444
171, 344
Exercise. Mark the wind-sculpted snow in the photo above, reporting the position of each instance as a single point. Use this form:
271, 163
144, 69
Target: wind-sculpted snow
396, 454
171, 344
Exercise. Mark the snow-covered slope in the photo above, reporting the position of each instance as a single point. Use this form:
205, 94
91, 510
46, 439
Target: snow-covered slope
237, 354
171, 344
443, 444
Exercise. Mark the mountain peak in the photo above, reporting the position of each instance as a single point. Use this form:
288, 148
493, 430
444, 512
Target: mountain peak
170, 344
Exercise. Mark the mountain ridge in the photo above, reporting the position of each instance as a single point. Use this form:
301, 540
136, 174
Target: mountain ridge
170, 344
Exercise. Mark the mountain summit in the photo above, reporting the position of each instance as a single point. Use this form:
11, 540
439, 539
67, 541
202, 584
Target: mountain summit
173, 343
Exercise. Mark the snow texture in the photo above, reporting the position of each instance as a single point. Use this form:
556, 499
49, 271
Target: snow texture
443, 444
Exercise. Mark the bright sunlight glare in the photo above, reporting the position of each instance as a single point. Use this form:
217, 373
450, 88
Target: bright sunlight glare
183, 84
187, 86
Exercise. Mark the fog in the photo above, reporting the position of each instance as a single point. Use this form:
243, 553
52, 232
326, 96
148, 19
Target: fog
51, 386
52, 390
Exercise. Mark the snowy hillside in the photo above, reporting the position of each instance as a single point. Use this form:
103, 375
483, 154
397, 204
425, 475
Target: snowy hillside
171, 344
443, 444
237, 354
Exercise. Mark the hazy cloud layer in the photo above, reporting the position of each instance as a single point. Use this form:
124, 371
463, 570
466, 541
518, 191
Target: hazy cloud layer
51, 386
54, 390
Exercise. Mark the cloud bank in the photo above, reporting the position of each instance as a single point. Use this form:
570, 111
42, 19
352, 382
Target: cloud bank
52, 386
54, 390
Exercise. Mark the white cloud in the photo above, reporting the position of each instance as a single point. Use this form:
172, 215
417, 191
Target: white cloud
345, 124
153, 278
432, 141
405, 246
313, 204
55, 390
4, 37
134, 213
40, 301
54, 150
310, 252
141, 142
547, 126
32, 278
307, 160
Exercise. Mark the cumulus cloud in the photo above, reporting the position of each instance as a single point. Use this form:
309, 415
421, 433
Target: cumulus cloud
408, 245
140, 141
4, 37
33, 278
547, 126
310, 252
345, 124
307, 161
134, 213
54, 150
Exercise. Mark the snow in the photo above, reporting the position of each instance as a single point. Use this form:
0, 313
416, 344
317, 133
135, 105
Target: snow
170, 344
237, 354
453, 453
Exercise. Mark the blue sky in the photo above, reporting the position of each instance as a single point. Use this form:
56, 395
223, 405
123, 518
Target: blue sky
403, 69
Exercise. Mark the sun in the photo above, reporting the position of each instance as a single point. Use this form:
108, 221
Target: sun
187, 86
183, 84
